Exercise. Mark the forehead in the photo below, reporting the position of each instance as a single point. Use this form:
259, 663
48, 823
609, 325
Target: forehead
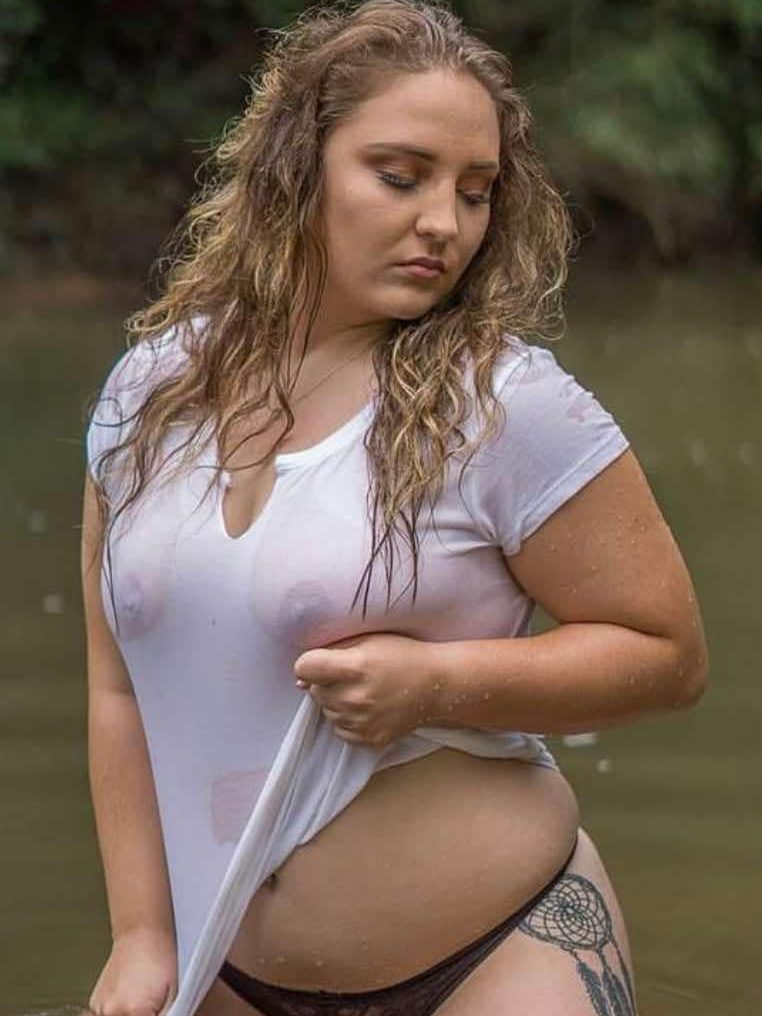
446, 111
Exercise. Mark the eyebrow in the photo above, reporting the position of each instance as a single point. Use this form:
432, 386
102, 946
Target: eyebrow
424, 153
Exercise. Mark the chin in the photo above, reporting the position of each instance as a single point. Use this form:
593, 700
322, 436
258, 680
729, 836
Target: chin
411, 309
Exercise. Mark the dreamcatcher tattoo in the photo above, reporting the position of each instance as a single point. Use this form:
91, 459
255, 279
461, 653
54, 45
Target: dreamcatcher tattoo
573, 916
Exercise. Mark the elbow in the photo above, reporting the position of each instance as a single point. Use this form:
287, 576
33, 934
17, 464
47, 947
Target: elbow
691, 678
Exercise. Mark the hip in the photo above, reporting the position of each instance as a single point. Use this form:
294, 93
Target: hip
430, 855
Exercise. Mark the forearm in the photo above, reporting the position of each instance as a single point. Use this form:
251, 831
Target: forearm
577, 677
127, 818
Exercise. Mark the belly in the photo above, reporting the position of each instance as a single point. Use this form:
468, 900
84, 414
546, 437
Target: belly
430, 855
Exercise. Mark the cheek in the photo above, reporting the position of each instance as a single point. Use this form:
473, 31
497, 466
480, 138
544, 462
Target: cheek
358, 216
473, 241
477, 231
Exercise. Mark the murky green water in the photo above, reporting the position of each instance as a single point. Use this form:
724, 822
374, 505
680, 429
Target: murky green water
673, 802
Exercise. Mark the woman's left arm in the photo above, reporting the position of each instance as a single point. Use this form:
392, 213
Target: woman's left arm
629, 640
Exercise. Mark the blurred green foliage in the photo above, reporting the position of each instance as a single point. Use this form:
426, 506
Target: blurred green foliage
649, 114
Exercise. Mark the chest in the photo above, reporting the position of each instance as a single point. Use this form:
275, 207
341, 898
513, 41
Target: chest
255, 448
282, 554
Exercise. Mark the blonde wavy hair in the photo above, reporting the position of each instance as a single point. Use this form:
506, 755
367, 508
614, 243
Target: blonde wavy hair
253, 232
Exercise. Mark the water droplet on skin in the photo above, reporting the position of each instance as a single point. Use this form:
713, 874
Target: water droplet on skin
449, 709
437, 686
486, 695
280, 959
319, 963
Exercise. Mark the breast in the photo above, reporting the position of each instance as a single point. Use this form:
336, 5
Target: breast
139, 580
308, 558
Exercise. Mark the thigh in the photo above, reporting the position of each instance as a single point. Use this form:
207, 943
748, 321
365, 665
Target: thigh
569, 955
221, 1000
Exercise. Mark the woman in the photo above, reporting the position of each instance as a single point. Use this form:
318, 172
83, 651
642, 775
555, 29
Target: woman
300, 370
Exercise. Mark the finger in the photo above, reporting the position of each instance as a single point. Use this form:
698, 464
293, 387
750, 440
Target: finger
326, 698
331, 714
349, 735
324, 680
169, 999
325, 666
314, 664
338, 719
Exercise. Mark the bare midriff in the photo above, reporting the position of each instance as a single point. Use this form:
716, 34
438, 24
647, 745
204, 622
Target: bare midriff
430, 855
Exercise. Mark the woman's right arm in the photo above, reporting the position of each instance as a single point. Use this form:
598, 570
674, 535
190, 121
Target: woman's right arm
140, 976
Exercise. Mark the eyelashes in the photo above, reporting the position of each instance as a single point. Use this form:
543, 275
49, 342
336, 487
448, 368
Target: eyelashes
403, 183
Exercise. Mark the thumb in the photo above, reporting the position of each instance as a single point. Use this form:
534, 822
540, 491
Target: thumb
303, 665
314, 664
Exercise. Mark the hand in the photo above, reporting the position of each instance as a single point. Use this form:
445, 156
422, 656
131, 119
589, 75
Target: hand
373, 687
139, 978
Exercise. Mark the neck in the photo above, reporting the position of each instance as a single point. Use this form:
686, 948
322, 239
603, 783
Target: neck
333, 337
332, 344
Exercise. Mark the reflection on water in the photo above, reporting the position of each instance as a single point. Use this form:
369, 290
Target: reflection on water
671, 801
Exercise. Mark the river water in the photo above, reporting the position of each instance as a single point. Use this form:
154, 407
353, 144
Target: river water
672, 801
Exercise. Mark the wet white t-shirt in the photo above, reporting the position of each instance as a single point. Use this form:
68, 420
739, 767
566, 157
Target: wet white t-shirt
245, 765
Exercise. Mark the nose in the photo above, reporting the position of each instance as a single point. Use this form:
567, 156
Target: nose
438, 213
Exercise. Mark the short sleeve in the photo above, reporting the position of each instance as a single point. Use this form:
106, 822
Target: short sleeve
127, 385
557, 437
112, 410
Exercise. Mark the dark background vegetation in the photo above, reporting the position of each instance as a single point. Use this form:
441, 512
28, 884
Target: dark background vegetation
648, 112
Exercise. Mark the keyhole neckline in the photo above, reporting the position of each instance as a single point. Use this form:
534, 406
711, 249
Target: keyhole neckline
285, 461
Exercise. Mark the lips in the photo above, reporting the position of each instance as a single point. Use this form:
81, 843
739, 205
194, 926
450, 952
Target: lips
433, 264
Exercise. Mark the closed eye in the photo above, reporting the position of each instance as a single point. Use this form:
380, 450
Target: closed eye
403, 183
